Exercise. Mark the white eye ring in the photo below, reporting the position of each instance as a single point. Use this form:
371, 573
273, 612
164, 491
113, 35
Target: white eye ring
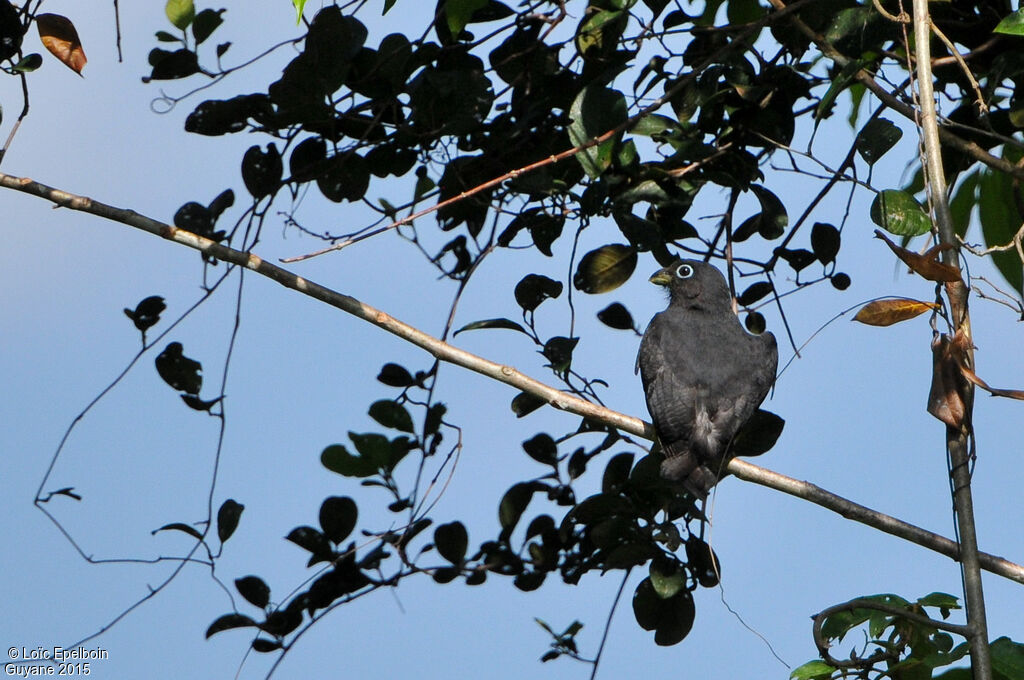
684, 271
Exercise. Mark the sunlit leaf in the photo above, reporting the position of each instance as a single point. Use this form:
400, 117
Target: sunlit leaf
899, 213
604, 269
180, 12
888, 312
60, 38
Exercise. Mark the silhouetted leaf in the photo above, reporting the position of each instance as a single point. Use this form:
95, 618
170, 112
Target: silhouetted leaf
338, 515
307, 159
534, 289
178, 526
451, 541
513, 505
172, 65
345, 178
263, 645
754, 292
758, 434
492, 323
262, 170
558, 350
525, 403
391, 414
147, 313
336, 458
395, 375
542, 448
825, 241
797, 258
254, 590
197, 404
229, 621
312, 541
617, 316
205, 23
670, 618
227, 518
178, 371
605, 268
876, 138
703, 561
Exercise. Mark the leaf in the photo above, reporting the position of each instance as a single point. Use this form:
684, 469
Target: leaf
812, 670
180, 13
534, 289
925, 264
889, 312
670, 618
179, 526
513, 505
946, 396
28, 63
542, 448
254, 590
205, 23
595, 111
338, 515
667, 578
605, 269
262, 170
492, 323
59, 36
451, 541
876, 138
147, 313
825, 240
301, 5
227, 518
391, 414
307, 159
773, 218
1000, 221
525, 403
1011, 24
758, 435
616, 316
197, 404
229, 621
558, 350
395, 375
178, 371
459, 12
754, 292
899, 213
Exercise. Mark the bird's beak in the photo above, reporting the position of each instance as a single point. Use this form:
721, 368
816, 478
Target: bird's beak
661, 278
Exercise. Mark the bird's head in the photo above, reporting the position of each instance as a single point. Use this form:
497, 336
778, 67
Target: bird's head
694, 284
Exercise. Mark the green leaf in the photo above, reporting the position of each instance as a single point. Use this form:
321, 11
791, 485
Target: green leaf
28, 63
812, 670
301, 4
391, 414
999, 223
336, 458
876, 138
605, 268
1007, 658
899, 213
492, 323
451, 541
227, 518
595, 111
1011, 24
180, 12
338, 515
459, 12
670, 618
667, 577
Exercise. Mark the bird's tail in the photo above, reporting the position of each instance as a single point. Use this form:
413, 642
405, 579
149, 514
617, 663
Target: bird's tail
687, 470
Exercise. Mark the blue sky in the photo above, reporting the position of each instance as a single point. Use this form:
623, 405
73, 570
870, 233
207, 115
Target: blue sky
303, 375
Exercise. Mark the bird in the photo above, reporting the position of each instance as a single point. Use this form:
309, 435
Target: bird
703, 375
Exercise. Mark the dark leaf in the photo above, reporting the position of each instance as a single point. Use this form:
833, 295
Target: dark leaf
172, 65
529, 580
616, 473
670, 618
596, 111
758, 434
435, 415
254, 590
178, 526
525, 403
534, 289
262, 170
229, 621
312, 541
451, 541
395, 375
492, 323
754, 292
825, 240
227, 518
798, 258
391, 414
307, 159
219, 117
542, 448
336, 458
617, 316
147, 313
605, 268
444, 575
876, 138
263, 645
178, 371
558, 350
346, 177
338, 515
205, 23
513, 505
773, 218
703, 561
197, 404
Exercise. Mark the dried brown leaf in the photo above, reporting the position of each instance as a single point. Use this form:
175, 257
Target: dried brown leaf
927, 264
994, 391
59, 36
946, 397
888, 312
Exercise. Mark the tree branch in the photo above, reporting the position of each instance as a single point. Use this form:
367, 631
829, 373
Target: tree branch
506, 374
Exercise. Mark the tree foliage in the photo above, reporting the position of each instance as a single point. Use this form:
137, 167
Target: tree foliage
513, 129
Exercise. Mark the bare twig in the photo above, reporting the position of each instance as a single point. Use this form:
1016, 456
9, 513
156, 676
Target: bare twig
503, 373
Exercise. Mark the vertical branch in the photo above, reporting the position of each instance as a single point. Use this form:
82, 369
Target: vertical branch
957, 438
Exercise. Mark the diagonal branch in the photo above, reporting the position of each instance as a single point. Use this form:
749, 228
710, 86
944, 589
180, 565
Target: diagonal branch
503, 373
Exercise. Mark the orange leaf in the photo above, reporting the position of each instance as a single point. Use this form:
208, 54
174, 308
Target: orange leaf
946, 397
927, 265
61, 39
994, 391
888, 312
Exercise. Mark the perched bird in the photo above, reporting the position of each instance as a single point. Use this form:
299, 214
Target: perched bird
703, 374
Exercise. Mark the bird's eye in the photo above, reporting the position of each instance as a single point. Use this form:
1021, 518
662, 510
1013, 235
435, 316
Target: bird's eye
684, 271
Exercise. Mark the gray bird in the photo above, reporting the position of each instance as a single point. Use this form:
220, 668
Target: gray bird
703, 374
